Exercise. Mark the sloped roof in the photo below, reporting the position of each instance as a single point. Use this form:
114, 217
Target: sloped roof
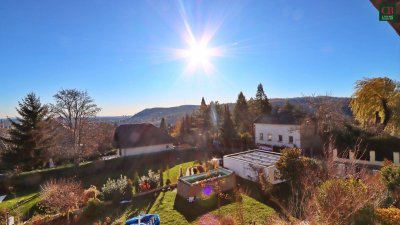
280, 118
137, 135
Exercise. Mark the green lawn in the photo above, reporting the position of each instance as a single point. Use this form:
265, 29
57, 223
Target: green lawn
173, 173
175, 211
172, 209
31, 200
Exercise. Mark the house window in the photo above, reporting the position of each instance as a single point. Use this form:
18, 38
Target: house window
290, 139
261, 136
269, 137
280, 138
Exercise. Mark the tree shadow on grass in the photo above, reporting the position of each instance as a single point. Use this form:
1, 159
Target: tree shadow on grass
276, 197
138, 205
192, 210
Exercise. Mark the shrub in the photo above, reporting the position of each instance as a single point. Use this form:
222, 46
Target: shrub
149, 182
94, 208
107, 221
90, 193
61, 195
200, 168
391, 178
227, 220
390, 216
40, 219
341, 201
208, 219
117, 190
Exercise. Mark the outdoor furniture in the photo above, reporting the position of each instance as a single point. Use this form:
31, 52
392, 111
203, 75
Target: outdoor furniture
144, 219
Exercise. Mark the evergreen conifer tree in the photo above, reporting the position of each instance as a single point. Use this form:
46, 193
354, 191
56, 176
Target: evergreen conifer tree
228, 132
26, 144
163, 125
262, 101
241, 114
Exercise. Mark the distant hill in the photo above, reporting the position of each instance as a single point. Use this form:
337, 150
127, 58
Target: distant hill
154, 115
173, 114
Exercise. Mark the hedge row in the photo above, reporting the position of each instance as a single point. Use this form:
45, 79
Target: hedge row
352, 138
122, 165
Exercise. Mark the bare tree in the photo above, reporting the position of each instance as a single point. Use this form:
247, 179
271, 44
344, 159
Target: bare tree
327, 111
75, 108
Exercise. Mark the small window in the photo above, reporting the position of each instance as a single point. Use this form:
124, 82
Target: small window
167, 147
269, 137
280, 138
261, 136
290, 139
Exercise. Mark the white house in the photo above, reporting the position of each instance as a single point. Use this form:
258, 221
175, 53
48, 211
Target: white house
251, 164
274, 132
136, 139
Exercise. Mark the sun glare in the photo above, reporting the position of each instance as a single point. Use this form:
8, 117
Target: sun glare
198, 53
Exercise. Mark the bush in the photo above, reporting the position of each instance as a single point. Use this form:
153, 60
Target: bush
117, 190
390, 216
61, 195
227, 220
149, 182
90, 193
339, 201
94, 208
208, 219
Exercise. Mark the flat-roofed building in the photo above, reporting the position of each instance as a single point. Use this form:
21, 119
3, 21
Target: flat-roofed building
250, 164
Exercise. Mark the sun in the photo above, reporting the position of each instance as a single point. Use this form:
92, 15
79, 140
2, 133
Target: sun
198, 53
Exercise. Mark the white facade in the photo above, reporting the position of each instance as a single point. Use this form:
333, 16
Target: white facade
249, 169
277, 134
145, 149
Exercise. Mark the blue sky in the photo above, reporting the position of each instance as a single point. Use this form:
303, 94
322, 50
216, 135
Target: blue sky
120, 51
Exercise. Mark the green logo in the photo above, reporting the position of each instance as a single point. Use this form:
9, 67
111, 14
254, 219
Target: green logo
387, 12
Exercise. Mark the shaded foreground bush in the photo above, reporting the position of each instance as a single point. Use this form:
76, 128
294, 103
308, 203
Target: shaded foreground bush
390, 216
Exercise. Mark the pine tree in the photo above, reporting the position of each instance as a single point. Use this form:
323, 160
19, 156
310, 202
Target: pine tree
182, 131
262, 101
216, 115
241, 114
163, 125
204, 116
188, 124
26, 142
228, 132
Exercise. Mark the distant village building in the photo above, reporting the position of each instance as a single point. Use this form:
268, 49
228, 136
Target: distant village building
136, 139
275, 132
4, 123
251, 164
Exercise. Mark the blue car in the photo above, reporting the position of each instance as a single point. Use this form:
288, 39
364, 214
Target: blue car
145, 219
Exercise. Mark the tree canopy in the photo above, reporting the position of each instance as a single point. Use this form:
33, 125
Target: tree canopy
377, 101
228, 132
263, 105
75, 108
241, 114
